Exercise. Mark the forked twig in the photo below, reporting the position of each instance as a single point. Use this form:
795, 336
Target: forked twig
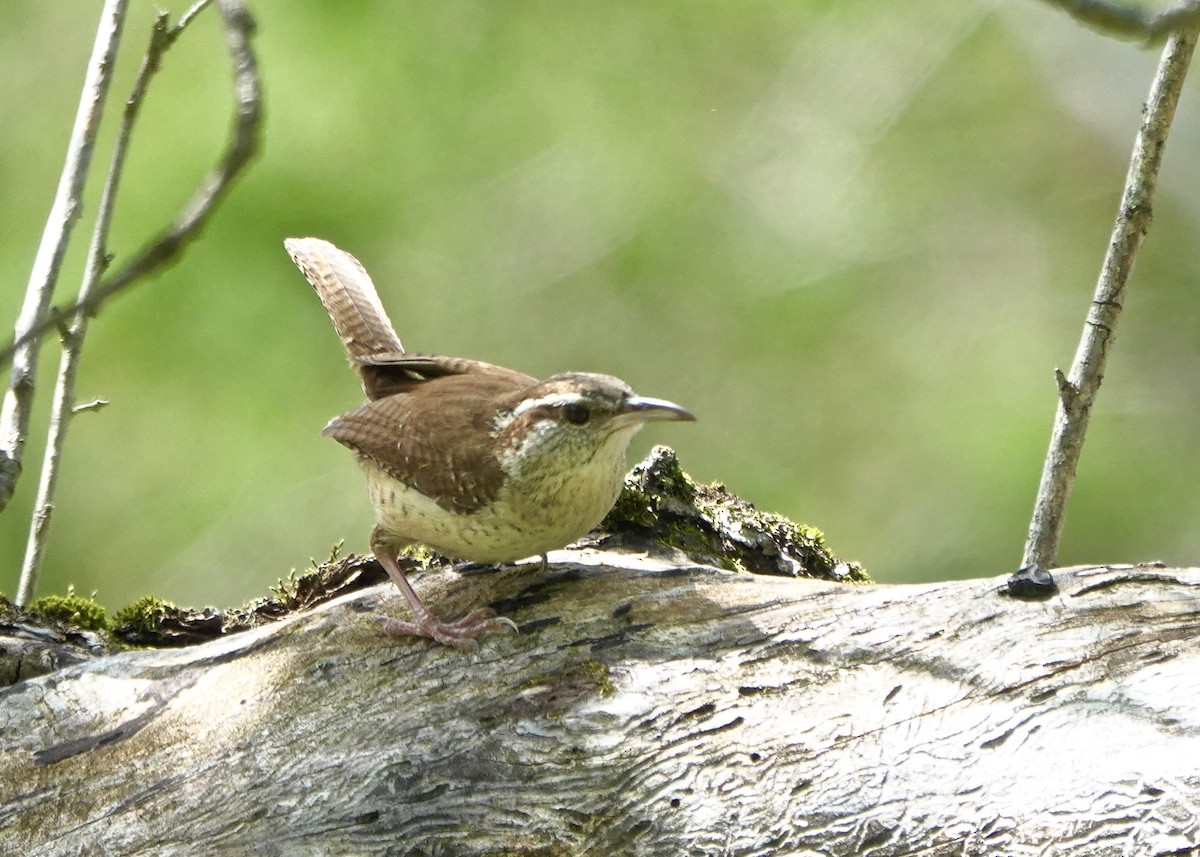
168, 245
66, 210
165, 248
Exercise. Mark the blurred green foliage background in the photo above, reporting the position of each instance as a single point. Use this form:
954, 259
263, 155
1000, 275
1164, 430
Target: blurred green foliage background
855, 238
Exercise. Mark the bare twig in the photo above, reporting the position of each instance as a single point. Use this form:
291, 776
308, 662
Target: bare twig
63, 407
1132, 22
186, 17
68, 204
166, 247
1077, 390
93, 405
238, 28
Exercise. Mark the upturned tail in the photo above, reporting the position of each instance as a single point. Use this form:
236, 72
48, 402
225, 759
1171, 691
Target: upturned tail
349, 297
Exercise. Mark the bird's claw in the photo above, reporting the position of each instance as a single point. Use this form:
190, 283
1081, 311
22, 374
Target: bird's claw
460, 634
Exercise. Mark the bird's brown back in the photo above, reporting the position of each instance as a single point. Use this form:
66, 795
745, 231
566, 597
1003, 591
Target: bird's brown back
435, 437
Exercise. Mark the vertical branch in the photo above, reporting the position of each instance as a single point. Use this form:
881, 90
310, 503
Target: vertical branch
163, 250
63, 406
68, 203
1077, 390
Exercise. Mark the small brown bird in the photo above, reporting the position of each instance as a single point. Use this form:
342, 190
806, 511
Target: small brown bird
479, 462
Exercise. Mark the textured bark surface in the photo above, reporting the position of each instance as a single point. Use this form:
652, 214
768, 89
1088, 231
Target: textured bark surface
644, 709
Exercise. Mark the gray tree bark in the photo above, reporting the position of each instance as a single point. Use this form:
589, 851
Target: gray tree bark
644, 709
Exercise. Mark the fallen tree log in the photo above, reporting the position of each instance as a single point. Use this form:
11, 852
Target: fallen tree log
645, 708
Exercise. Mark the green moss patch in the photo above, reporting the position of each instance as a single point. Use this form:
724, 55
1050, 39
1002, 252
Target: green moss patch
72, 609
660, 503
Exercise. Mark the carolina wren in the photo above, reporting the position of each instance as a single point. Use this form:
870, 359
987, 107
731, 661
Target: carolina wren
479, 462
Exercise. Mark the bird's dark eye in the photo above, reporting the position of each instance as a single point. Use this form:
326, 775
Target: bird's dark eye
576, 413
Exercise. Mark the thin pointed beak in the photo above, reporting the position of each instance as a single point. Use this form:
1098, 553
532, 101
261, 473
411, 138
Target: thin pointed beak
643, 409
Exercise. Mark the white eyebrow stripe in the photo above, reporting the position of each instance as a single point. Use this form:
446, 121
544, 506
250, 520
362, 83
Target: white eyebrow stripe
554, 400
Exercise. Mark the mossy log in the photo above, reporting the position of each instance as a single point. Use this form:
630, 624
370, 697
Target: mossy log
645, 709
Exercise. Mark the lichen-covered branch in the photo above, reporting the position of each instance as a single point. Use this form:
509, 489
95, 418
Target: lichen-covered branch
1077, 389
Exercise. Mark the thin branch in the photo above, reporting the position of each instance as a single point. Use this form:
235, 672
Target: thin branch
63, 407
93, 405
238, 28
1078, 389
66, 210
166, 247
186, 18
1132, 22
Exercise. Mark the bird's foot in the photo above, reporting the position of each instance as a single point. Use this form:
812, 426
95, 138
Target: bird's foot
461, 634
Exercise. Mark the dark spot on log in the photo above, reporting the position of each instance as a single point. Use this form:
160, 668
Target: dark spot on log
622, 610
800, 786
367, 817
892, 693
680, 571
1031, 583
539, 591
1152, 791
703, 711
641, 827
474, 569
429, 794
537, 624
67, 749
158, 703
992, 743
617, 638
750, 690
875, 833
674, 803
755, 757
995, 832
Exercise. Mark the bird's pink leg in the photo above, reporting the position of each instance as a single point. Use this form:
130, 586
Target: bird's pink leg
461, 634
